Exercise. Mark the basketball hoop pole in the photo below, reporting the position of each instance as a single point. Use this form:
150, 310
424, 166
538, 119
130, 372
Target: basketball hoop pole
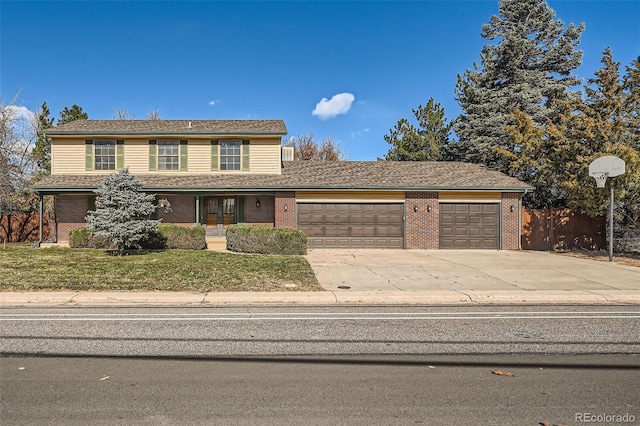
601, 168
611, 221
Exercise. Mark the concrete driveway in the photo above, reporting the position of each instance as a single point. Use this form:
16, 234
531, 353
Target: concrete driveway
471, 270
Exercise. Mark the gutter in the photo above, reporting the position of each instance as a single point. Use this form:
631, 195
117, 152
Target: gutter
149, 135
58, 189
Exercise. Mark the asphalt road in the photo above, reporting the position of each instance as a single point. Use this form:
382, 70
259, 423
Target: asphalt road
210, 332
350, 390
322, 365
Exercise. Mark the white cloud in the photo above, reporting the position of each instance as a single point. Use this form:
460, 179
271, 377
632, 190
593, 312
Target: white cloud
20, 112
212, 103
339, 104
359, 132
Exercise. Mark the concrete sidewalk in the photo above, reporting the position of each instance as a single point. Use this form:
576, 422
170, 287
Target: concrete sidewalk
405, 277
343, 297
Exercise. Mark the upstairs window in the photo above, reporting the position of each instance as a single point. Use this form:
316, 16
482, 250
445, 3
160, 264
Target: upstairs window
168, 155
105, 155
230, 155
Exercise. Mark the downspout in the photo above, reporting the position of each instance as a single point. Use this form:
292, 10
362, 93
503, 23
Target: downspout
197, 210
520, 220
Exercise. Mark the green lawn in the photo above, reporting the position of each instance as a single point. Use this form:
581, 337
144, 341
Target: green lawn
25, 269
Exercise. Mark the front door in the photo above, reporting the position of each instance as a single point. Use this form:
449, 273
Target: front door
219, 213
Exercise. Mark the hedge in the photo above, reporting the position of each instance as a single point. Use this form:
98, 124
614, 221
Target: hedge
182, 237
265, 240
85, 238
168, 236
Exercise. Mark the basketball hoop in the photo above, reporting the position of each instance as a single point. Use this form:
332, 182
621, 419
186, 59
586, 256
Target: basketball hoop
601, 168
601, 179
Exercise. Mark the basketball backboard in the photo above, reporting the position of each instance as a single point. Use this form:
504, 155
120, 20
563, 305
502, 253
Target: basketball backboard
608, 164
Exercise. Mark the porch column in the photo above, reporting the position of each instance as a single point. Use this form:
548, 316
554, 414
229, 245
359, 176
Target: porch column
41, 221
198, 210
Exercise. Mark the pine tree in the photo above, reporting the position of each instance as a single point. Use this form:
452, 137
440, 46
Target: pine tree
632, 103
600, 125
122, 211
532, 162
528, 68
42, 148
423, 143
68, 115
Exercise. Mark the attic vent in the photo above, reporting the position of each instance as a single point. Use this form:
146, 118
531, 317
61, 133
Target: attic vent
287, 153
189, 124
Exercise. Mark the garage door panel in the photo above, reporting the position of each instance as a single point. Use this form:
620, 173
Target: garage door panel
490, 208
356, 225
468, 226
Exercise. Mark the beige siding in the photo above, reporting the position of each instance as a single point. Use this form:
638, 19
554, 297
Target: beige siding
136, 155
199, 156
68, 156
349, 196
265, 156
469, 197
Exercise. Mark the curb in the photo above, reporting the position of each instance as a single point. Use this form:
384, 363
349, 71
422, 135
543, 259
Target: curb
445, 297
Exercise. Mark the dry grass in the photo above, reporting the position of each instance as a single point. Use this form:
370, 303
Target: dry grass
25, 269
627, 258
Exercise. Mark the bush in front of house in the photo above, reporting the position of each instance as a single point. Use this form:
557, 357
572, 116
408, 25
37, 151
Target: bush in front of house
122, 211
167, 236
265, 240
85, 238
182, 237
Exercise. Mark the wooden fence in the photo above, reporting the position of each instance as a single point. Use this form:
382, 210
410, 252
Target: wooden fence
21, 227
562, 229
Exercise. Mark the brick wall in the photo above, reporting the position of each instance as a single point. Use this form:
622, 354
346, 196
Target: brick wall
421, 227
510, 221
263, 215
70, 213
285, 219
183, 210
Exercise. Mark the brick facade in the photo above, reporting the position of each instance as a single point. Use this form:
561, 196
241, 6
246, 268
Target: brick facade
263, 215
510, 221
285, 209
70, 213
421, 226
183, 210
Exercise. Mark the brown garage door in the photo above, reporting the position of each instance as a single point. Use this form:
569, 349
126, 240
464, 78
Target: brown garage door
468, 226
352, 225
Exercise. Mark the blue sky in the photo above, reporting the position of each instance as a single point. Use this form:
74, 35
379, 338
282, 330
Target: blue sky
349, 70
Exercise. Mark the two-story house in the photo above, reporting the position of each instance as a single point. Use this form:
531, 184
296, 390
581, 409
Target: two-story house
221, 172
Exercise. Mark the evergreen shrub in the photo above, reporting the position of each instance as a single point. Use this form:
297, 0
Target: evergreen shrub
168, 236
265, 240
85, 238
182, 237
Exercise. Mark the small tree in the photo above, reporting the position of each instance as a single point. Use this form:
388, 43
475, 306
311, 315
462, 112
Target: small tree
423, 143
305, 147
122, 211
67, 115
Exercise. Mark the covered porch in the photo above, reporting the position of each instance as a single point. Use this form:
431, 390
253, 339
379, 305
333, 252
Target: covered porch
216, 211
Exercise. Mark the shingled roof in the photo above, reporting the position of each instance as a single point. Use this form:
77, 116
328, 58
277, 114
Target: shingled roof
169, 127
318, 175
